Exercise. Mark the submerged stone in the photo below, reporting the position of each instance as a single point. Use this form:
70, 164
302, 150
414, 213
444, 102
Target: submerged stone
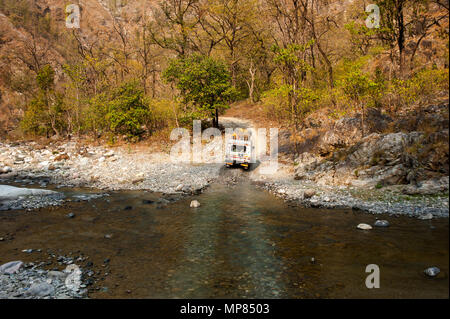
381, 223
432, 271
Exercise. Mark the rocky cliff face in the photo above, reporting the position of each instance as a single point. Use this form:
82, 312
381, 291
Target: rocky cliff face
415, 158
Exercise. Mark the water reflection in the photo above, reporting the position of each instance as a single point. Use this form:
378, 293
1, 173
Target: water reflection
240, 243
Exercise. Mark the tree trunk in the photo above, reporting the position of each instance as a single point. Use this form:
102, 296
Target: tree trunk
401, 37
251, 83
216, 120
363, 133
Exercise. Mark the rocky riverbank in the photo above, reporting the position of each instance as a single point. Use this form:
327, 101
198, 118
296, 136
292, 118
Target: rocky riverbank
20, 280
28, 198
52, 275
315, 181
74, 165
402, 172
389, 200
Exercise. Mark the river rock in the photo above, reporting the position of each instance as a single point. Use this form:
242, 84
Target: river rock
364, 226
53, 274
309, 193
138, 180
108, 154
11, 267
381, 223
195, 204
427, 216
432, 271
40, 290
62, 157
5, 170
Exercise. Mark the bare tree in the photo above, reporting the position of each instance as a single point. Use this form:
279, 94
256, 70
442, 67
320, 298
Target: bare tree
173, 25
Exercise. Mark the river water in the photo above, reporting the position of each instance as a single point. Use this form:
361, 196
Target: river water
242, 242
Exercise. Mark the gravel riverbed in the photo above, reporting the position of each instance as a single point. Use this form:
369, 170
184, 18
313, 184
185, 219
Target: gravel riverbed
388, 200
74, 165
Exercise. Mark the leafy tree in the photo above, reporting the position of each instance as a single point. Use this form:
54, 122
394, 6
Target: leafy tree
202, 81
123, 110
45, 112
361, 37
294, 70
359, 88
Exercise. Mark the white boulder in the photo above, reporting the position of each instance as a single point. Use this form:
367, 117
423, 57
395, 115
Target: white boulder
11, 267
195, 204
364, 226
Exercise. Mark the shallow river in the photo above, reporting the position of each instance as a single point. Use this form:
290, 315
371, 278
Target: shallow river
241, 243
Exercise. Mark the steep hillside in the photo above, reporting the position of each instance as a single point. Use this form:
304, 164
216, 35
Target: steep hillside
293, 57
27, 43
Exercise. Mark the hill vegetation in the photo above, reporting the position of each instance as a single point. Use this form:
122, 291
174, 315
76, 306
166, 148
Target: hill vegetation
136, 68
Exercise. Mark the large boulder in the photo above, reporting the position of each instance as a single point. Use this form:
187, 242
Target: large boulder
11, 267
306, 165
348, 130
344, 133
386, 159
40, 290
428, 187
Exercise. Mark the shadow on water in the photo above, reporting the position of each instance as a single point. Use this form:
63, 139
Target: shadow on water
241, 242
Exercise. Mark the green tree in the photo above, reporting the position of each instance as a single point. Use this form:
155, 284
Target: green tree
123, 110
45, 113
361, 37
294, 70
204, 82
360, 89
